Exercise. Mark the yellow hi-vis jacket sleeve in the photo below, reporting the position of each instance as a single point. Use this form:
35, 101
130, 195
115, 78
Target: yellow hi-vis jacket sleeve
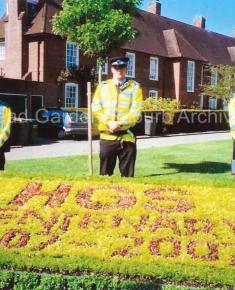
97, 108
232, 117
129, 120
5, 124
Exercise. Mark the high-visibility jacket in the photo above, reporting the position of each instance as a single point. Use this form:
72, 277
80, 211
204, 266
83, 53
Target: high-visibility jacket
114, 103
232, 117
5, 123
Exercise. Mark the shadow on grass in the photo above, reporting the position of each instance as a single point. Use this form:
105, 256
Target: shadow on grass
202, 167
160, 174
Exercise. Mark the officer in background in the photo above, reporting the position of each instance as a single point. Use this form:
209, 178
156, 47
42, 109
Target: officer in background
117, 105
5, 128
232, 127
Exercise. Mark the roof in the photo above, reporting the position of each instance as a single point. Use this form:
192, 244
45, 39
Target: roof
167, 37
2, 30
178, 46
158, 35
42, 22
2, 26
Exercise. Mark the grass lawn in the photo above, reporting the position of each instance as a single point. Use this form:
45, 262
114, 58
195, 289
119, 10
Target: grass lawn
200, 163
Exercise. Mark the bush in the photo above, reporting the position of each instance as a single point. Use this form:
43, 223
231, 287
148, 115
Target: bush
160, 104
33, 281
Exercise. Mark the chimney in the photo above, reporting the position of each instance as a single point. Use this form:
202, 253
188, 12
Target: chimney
233, 33
155, 7
200, 22
14, 28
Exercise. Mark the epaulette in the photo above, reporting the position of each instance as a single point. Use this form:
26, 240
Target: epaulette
136, 83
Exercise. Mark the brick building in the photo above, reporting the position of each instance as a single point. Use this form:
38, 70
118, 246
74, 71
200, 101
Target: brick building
167, 57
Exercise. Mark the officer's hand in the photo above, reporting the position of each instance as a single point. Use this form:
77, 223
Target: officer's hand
114, 126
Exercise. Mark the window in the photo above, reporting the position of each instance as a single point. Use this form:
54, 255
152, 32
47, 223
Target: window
153, 70
153, 94
190, 76
225, 105
202, 101
214, 76
212, 103
105, 68
131, 65
72, 55
2, 50
71, 95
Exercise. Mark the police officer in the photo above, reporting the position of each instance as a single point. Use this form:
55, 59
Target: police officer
117, 105
5, 127
232, 126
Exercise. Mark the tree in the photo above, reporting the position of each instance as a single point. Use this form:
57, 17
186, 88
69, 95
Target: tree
97, 26
225, 86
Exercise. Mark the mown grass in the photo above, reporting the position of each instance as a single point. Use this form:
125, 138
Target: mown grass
199, 163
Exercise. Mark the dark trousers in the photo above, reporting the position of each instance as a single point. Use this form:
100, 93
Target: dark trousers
234, 149
110, 150
2, 160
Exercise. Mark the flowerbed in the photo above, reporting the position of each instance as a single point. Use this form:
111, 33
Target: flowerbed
149, 230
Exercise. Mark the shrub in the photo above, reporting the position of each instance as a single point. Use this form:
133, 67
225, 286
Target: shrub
160, 104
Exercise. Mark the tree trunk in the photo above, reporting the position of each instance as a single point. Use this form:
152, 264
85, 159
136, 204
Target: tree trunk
90, 159
100, 73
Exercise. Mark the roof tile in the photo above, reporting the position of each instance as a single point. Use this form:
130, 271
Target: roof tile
158, 35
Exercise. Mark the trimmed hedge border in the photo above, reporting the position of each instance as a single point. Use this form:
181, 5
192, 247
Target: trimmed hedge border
181, 121
10, 280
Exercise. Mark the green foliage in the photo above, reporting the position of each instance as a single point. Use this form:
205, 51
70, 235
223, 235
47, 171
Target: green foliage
32, 281
26, 281
82, 74
225, 86
160, 104
6, 280
98, 26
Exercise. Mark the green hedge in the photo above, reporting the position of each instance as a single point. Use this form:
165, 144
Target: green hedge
34, 281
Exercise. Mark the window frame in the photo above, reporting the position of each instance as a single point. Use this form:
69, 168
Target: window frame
77, 57
2, 50
128, 54
191, 78
105, 68
153, 91
76, 96
157, 68
214, 76
216, 103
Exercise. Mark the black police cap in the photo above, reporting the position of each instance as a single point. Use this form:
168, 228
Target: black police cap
119, 60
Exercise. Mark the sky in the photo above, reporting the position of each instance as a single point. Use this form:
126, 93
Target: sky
219, 14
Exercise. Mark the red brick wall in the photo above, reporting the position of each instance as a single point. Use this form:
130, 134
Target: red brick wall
188, 98
14, 42
50, 92
2, 68
142, 62
36, 60
54, 58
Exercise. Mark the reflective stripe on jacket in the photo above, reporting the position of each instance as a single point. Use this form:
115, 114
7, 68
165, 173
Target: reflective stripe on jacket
5, 123
122, 104
232, 117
